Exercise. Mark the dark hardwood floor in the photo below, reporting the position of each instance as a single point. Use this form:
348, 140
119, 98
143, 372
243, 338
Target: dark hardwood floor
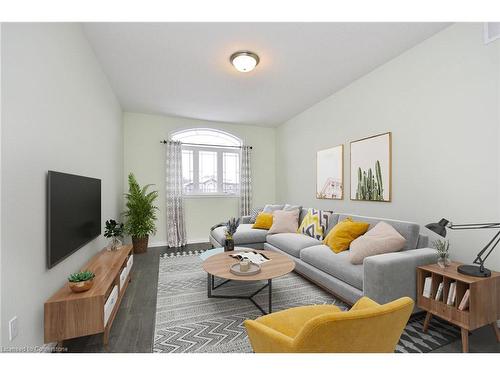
133, 328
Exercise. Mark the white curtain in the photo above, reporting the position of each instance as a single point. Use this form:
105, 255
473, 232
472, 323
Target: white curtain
176, 229
245, 181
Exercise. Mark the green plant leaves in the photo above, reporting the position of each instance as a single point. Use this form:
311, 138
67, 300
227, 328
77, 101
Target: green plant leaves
113, 229
81, 276
140, 210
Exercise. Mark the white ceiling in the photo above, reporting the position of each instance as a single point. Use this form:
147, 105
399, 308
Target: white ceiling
183, 69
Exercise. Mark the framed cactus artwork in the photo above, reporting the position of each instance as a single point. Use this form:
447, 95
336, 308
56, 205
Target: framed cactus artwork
330, 173
371, 168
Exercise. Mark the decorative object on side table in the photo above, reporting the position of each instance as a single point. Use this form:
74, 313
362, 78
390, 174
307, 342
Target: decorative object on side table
231, 227
442, 248
113, 231
140, 214
81, 281
467, 269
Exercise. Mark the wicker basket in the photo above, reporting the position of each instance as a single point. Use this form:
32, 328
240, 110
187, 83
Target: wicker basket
140, 244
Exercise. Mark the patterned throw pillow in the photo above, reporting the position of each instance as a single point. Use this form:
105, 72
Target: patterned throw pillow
315, 223
254, 212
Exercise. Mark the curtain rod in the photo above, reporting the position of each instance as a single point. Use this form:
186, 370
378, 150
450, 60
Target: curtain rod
205, 144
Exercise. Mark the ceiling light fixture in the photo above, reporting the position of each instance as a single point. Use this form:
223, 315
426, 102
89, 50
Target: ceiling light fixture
244, 61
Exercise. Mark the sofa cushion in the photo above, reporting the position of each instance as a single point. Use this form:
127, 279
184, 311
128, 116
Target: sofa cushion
381, 239
331, 222
342, 234
315, 223
273, 207
254, 212
337, 265
285, 221
245, 234
291, 243
291, 207
407, 229
264, 221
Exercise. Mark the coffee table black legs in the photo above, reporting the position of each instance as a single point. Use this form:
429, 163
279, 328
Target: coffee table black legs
270, 284
211, 287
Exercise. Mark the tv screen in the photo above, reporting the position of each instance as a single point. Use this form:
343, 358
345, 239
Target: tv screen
74, 214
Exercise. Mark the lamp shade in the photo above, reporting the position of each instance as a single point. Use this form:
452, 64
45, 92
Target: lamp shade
438, 228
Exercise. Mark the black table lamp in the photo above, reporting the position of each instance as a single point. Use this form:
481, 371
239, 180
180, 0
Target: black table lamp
471, 270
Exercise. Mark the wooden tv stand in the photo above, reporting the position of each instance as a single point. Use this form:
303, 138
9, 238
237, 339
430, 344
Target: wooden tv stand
68, 315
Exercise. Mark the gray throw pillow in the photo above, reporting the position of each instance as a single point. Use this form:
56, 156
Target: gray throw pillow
291, 207
273, 207
254, 212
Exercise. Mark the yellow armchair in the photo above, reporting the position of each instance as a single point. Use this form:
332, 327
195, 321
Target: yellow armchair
367, 328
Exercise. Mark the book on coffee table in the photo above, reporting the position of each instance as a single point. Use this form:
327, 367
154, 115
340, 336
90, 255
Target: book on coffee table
252, 256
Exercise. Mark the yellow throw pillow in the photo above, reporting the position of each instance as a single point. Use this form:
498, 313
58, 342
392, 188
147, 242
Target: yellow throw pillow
264, 220
342, 234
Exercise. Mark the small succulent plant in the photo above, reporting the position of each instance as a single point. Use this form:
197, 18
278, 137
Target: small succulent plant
231, 227
81, 276
442, 247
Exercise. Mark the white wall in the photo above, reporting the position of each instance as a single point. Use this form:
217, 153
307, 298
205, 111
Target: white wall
58, 113
440, 101
145, 157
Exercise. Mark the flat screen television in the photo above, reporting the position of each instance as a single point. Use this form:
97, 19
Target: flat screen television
73, 214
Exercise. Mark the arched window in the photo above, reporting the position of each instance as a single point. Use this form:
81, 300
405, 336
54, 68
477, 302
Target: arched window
210, 162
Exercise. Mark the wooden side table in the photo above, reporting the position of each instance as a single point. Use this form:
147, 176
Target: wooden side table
484, 299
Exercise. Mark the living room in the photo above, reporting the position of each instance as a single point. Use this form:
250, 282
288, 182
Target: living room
229, 187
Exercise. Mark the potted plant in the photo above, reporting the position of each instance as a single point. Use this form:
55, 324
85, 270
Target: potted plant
140, 214
442, 248
113, 230
231, 227
81, 281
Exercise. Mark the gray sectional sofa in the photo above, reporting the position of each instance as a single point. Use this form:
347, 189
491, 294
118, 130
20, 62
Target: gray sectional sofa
382, 278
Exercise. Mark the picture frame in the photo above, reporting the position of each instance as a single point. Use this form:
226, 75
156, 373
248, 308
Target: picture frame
371, 168
330, 173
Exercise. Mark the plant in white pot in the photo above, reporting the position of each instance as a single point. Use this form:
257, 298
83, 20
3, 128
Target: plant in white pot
140, 214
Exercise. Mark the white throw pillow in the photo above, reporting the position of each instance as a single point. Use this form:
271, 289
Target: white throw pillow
285, 222
381, 239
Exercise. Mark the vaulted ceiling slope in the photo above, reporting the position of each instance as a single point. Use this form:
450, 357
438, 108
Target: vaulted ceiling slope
183, 69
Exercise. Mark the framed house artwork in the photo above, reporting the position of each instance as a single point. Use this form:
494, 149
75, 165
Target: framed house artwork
371, 168
330, 173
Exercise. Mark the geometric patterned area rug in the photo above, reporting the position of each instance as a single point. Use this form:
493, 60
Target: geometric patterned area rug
189, 322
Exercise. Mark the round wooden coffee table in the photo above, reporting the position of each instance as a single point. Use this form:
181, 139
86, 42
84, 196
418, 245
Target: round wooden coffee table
218, 265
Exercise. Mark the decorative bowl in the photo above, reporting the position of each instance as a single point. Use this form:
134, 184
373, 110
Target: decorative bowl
81, 286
